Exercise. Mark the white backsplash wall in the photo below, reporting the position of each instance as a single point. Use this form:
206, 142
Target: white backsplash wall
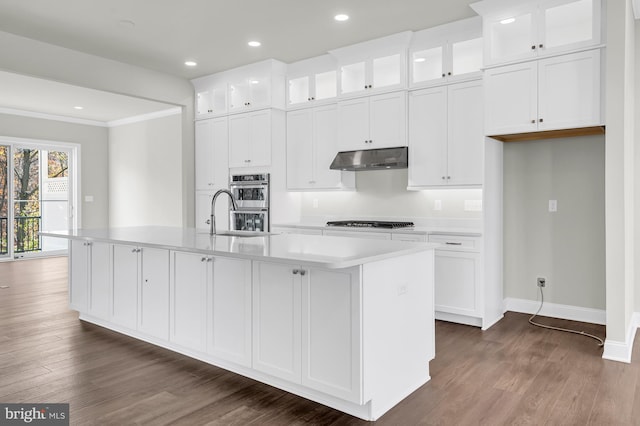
568, 246
383, 194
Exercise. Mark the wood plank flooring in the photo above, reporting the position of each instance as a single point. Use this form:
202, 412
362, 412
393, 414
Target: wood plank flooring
513, 373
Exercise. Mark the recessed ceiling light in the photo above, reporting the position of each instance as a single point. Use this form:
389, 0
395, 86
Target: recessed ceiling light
190, 63
254, 43
341, 17
255, 81
419, 60
78, 107
508, 21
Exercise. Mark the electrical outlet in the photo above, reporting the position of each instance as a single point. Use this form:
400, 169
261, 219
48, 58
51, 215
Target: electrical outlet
541, 281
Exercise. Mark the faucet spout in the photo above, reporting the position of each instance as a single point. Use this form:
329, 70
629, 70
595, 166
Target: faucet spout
212, 228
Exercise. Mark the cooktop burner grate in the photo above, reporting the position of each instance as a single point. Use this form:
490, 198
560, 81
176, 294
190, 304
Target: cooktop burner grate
370, 224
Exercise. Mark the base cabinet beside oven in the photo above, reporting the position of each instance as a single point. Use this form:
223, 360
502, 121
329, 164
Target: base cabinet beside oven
458, 279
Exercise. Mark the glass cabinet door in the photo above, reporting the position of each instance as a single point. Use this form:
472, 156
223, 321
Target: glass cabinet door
386, 71
326, 85
466, 56
427, 64
512, 36
353, 77
299, 90
568, 23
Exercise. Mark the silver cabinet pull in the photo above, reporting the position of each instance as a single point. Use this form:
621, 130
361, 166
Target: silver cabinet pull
449, 243
295, 272
204, 259
303, 272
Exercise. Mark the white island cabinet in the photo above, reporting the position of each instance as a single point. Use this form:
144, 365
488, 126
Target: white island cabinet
347, 322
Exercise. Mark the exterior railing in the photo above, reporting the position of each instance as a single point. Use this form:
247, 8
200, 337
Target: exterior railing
4, 235
26, 230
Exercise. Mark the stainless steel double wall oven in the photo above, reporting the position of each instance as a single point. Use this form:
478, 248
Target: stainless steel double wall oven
251, 193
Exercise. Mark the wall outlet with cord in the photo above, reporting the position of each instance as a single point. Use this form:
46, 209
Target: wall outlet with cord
541, 282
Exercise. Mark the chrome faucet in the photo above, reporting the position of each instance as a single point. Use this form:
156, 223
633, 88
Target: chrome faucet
212, 229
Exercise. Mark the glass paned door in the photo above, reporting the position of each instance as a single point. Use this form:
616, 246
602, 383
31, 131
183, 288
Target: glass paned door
26, 200
4, 200
54, 197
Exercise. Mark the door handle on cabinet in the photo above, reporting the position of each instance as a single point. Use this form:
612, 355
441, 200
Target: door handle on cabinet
295, 272
303, 272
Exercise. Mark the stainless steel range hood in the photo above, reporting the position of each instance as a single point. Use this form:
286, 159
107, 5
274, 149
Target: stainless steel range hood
372, 159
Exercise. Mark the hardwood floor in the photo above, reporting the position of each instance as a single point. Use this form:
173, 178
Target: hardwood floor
513, 373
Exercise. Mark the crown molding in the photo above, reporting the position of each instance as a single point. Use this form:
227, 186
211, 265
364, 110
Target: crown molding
32, 114
144, 117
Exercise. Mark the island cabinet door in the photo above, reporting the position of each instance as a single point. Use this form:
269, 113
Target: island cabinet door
189, 280
154, 293
126, 276
78, 275
331, 338
229, 335
100, 280
276, 320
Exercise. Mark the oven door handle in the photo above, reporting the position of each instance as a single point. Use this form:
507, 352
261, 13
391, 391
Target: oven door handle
255, 211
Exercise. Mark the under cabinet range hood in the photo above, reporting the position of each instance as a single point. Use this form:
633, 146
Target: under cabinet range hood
372, 159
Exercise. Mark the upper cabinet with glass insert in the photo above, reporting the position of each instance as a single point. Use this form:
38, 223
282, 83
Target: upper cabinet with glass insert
250, 87
373, 66
312, 81
446, 53
519, 30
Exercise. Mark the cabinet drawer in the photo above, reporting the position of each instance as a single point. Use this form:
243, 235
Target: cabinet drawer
456, 242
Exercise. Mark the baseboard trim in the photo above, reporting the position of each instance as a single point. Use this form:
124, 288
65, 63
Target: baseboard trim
621, 351
555, 310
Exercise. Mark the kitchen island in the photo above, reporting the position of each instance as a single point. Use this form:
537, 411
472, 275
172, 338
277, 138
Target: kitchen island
346, 322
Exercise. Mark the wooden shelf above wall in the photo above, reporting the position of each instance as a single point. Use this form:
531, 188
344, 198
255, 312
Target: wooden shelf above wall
551, 134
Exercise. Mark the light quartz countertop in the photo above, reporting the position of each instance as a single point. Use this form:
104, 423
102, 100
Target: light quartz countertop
309, 250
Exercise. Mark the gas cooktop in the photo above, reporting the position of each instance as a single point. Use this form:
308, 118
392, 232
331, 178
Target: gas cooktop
370, 224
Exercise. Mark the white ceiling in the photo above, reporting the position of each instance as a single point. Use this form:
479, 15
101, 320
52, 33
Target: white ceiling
29, 94
162, 34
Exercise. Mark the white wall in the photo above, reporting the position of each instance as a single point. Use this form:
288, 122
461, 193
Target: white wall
94, 152
34, 58
566, 247
619, 177
145, 173
383, 193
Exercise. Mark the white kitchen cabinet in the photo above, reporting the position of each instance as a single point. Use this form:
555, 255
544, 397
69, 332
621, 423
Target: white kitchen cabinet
373, 74
358, 234
311, 147
256, 86
533, 29
229, 320
277, 344
378, 121
203, 210
312, 81
126, 280
211, 101
446, 136
154, 292
560, 92
212, 156
373, 66
307, 328
458, 279
331, 333
417, 238
190, 277
447, 53
89, 283
250, 136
